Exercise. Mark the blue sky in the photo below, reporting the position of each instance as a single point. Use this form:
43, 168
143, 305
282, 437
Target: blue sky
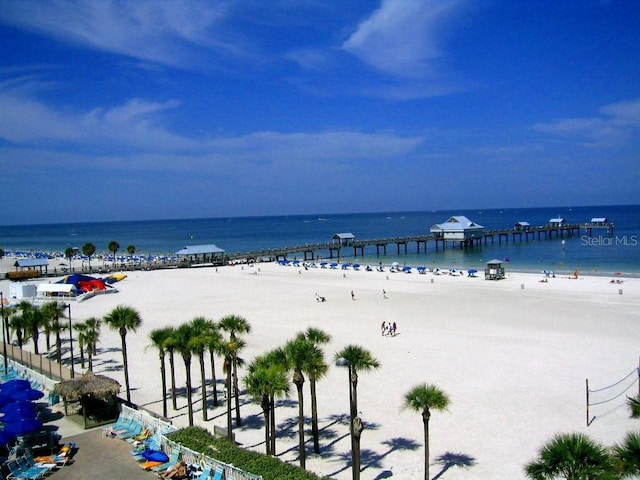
147, 110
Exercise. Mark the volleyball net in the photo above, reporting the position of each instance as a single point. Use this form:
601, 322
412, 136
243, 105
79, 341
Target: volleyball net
605, 400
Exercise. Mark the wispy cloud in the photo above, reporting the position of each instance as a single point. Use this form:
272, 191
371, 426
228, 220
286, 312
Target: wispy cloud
164, 32
616, 124
403, 37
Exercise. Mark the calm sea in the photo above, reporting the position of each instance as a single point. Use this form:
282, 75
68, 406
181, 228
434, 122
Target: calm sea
600, 253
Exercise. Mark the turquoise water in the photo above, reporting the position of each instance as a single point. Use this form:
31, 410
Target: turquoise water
600, 253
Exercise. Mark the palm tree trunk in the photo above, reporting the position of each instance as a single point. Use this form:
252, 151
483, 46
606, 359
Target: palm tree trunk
229, 421
299, 384
204, 387
163, 375
123, 337
266, 410
314, 415
172, 367
357, 428
425, 421
236, 392
35, 334
214, 381
272, 405
187, 366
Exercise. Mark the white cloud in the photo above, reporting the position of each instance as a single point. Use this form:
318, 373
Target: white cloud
617, 124
162, 32
403, 37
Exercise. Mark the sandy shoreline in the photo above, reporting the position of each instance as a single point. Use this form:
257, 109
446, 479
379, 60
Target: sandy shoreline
513, 356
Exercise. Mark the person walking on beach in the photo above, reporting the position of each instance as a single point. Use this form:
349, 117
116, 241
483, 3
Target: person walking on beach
393, 329
384, 293
353, 295
383, 328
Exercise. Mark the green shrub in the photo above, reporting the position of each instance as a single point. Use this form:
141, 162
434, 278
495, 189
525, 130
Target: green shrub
270, 468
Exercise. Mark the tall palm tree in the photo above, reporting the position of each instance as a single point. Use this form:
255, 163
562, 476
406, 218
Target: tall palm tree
213, 342
300, 355
316, 372
91, 337
113, 248
422, 399
124, 319
356, 359
80, 329
69, 253
200, 343
572, 456
626, 455
159, 337
34, 320
18, 323
234, 325
263, 381
184, 337
52, 312
229, 350
89, 249
131, 249
170, 345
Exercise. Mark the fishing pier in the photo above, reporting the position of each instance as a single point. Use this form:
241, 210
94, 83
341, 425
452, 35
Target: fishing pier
345, 246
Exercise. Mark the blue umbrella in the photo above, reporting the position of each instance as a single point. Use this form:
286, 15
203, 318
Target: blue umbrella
15, 415
30, 394
6, 437
15, 384
22, 426
18, 405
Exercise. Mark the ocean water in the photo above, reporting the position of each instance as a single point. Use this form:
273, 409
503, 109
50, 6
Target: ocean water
599, 254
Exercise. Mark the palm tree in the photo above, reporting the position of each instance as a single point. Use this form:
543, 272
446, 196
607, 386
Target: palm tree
264, 381
572, 456
229, 350
113, 248
213, 342
89, 249
235, 324
52, 312
422, 399
300, 355
634, 406
159, 338
626, 455
170, 345
184, 344
91, 337
80, 329
34, 320
357, 359
69, 253
316, 372
124, 319
131, 249
200, 343
18, 323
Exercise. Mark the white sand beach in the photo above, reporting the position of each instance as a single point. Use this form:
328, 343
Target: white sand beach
513, 356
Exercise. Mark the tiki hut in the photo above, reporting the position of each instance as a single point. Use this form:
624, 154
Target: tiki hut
93, 398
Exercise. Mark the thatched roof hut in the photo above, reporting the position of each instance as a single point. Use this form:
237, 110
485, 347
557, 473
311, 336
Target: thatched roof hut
89, 384
96, 395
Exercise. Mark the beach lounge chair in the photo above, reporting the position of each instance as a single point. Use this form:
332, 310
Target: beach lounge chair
16, 472
218, 474
32, 463
206, 472
175, 458
133, 431
122, 424
32, 471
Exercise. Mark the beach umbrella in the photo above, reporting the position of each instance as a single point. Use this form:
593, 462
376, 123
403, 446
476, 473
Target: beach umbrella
30, 394
15, 415
6, 437
472, 271
18, 405
22, 426
395, 264
15, 384
406, 268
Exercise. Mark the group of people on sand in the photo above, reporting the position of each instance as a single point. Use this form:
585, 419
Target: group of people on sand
388, 329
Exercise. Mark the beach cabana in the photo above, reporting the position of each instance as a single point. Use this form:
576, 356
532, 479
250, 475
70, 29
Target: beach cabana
200, 255
557, 222
599, 221
94, 397
494, 270
458, 229
56, 290
344, 239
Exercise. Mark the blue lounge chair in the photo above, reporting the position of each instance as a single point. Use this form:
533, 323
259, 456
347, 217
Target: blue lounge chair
16, 472
32, 471
206, 472
218, 474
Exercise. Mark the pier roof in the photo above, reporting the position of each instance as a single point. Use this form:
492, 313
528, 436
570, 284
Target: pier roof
457, 223
199, 250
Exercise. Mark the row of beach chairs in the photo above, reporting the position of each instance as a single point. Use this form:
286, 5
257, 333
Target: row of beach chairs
26, 467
